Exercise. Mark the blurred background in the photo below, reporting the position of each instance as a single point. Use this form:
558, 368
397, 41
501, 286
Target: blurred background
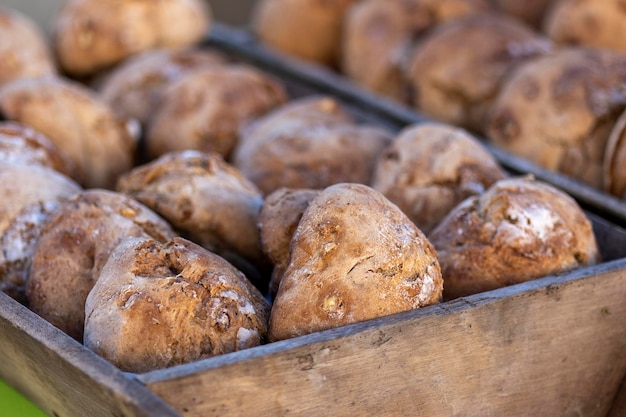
234, 12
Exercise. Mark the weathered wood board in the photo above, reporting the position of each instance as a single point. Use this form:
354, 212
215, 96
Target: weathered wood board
61, 376
552, 347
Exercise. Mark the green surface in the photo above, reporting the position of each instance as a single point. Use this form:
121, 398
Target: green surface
13, 404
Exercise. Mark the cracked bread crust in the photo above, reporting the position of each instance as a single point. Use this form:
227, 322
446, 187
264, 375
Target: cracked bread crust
354, 256
518, 230
161, 304
430, 168
205, 198
74, 245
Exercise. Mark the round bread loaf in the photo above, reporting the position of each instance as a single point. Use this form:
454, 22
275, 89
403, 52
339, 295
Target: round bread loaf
430, 168
161, 304
298, 149
207, 200
558, 110
457, 70
205, 109
24, 52
92, 35
85, 129
29, 195
597, 23
354, 256
74, 245
518, 230
379, 36
135, 87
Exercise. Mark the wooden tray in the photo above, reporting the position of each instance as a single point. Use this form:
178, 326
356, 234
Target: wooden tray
549, 347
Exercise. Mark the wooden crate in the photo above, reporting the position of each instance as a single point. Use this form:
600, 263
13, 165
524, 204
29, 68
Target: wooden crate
549, 347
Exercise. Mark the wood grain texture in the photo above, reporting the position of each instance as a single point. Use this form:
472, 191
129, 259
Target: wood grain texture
551, 347
61, 376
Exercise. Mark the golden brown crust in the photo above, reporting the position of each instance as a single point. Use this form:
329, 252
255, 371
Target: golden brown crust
74, 245
208, 200
308, 151
307, 29
520, 229
354, 256
29, 194
136, 87
596, 23
205, 109
457, 70
161, 304
85, 130
379, 35
558, 110
278, 219
24, 52
91, 35
430, 168
24, 145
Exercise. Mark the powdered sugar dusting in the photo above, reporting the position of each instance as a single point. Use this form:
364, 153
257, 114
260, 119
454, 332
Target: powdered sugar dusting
20, 238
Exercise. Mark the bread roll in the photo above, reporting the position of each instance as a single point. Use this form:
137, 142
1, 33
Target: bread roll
207, 200
430, 168
162, 304
306, 29
24, 52
354, 256
518, 230
558, 110
205, 109
379, 36
74, 245
614, 164
97, 142
311, 149
135, 87
93, 35
457, 70
596, 23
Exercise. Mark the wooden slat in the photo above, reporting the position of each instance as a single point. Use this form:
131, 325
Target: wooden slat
61, 376
551, 347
